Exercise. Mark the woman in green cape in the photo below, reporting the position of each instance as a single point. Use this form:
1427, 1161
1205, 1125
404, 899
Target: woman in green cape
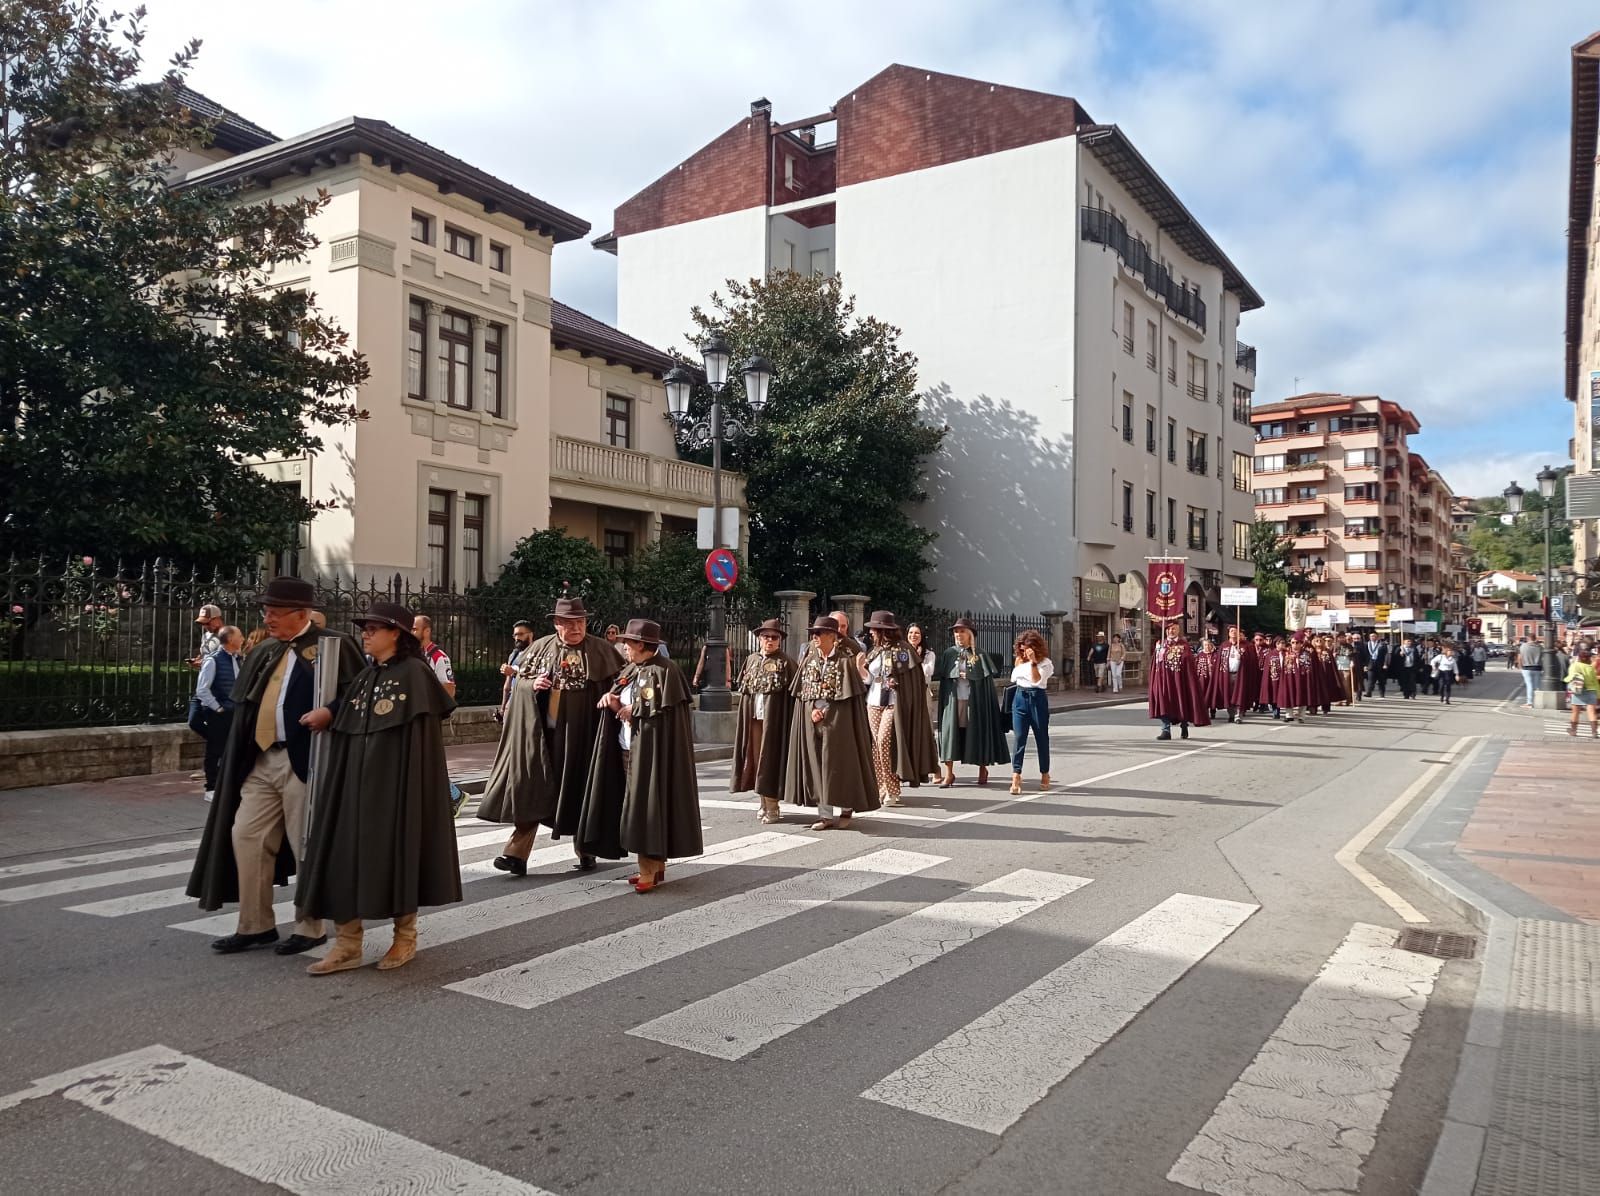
970, 727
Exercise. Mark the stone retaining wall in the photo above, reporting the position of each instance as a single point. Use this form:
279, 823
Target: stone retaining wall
56, 757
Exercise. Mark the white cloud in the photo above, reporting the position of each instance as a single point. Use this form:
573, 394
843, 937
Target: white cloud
1483, 475
1390, 176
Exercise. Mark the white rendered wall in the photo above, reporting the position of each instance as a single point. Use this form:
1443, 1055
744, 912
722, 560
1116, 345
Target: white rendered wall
973, 262
663, 273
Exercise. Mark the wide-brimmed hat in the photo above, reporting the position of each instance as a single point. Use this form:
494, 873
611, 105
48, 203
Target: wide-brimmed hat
824, 623
569, 608
640, 631
882, 620
389, 614
291, 592
962, 625
772, 627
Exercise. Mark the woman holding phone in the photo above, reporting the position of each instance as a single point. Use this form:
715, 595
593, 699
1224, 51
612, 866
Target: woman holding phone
1031, 671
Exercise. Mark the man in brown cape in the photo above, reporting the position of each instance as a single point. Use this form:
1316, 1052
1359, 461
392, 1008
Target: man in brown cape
643, 796
541, 768
830, 750
761, 738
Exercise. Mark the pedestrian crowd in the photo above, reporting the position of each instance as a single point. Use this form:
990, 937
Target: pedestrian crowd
325, 757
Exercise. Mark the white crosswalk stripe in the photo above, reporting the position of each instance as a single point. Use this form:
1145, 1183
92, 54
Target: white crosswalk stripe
993, 1070
94, 880
259, 1131
581, 966
1304, 1114
456, 922
122, 854
137, 903
733, 1023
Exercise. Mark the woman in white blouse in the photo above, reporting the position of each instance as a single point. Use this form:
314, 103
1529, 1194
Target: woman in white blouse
1030, 706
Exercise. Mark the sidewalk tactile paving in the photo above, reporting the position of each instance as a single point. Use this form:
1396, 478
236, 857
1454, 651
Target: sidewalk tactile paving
1544, 1137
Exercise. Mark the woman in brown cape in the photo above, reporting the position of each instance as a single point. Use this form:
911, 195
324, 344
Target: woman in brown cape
643, 796
902, 737
382, 839
830, 750
761, 737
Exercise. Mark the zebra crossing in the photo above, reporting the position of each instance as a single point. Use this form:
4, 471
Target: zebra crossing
1562, 727
1332, 1063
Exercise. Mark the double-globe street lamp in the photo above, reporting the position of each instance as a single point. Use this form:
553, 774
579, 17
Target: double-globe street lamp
693, 434
1549, 681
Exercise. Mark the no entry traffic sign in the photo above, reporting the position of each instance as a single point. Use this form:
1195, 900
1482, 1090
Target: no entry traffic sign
721, 570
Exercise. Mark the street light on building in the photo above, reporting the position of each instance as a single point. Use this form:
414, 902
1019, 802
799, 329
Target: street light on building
1549, 681
712, 431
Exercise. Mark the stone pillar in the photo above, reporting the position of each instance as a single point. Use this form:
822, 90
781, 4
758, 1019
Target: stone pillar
795, 612
854, 605
1055, 633
440, 384
480, 327
652, 527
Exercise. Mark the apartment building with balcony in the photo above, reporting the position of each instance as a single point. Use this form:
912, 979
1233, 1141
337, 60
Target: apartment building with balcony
492, 411
1582, 373
1075, 326
1367, 518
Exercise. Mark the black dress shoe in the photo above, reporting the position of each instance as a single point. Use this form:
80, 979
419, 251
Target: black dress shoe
297, 943
234, 943
511, 864
1184, 731
585, 863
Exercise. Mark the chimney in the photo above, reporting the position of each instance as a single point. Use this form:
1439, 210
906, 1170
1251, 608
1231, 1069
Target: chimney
808, 134
761, 107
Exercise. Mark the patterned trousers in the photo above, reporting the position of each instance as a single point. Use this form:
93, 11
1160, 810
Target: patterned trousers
882, 720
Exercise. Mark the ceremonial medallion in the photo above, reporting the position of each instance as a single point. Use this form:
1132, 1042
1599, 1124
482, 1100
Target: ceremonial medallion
383, 706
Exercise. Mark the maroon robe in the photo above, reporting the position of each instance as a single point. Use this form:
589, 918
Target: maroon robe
1332, 687
1240, 691
1301, 684
1271, 664
1207, 672
1175, 685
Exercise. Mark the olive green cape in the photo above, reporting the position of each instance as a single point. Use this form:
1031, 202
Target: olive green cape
983, 740
383, 838
769, 768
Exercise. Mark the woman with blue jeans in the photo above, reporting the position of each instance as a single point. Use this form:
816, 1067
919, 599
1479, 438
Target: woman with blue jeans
1030, 706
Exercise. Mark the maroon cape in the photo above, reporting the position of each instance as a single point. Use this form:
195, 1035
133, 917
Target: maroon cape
1208, 672
1240, 690
1271, 666
1175, 685
1332, 687
1301, 685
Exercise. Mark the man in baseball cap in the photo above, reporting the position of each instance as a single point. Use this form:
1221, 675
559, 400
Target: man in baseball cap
210, 620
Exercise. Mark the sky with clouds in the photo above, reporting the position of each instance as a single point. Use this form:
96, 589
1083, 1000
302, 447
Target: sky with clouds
1390, 176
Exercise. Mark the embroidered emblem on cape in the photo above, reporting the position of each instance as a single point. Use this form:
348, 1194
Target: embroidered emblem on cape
383, 706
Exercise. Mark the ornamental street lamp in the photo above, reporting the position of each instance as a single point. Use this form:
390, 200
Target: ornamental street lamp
712, 431
1549, 682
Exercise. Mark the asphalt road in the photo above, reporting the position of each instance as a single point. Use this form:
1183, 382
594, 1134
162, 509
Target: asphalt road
1153, 978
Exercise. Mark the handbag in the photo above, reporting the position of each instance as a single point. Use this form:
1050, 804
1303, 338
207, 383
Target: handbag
1008, 699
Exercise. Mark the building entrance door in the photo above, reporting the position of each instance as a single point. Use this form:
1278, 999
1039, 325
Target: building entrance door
1089, 622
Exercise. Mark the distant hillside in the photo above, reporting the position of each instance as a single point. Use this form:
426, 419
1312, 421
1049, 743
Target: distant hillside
1518, 545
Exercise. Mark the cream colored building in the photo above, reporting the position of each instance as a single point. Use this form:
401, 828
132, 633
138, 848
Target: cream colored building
491, 411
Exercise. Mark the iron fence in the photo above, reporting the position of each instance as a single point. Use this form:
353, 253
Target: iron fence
92, 646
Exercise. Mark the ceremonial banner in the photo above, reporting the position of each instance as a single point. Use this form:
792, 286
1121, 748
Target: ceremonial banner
1166, 590
1294, 613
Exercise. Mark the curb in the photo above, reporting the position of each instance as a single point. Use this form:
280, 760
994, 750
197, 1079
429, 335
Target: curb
1453, 1169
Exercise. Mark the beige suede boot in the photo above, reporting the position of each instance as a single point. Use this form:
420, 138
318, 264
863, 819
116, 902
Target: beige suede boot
345, 953
404, 949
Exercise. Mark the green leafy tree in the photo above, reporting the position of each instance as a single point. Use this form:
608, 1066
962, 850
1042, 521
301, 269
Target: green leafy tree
145, 356
1269, 553
1519, 545
835, 469
671, 572
548, 564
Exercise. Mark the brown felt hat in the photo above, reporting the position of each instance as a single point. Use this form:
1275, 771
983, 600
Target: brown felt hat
882, 620
292, 592
642, 631
389, 614
824, 624
962, 625
772, 627
569, 608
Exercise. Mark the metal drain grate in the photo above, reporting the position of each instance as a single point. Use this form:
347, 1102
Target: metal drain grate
1436, 944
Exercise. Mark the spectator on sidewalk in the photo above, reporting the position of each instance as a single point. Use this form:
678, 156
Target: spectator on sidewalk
522, 637
1117, 662
1098, 659
210, 620
612, 632
213, 695
1530, 659
1443, 669
729, 676
422, 628
1583, 690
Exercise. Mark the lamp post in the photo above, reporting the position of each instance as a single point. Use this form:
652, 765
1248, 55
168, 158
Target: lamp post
1549, 682
715, 355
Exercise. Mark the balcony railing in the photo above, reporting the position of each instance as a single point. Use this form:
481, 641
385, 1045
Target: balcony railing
1127, 433
607, 467
1102, 228
1150, 530
1244, 357
1127, 523
1197, 542
1197, 390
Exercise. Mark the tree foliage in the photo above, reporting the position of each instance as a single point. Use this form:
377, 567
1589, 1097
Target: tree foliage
549, 563
1518, 546
835, 467
1269, 552
145, 355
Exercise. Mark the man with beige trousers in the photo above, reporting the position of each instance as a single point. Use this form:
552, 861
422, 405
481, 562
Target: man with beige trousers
256, 825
